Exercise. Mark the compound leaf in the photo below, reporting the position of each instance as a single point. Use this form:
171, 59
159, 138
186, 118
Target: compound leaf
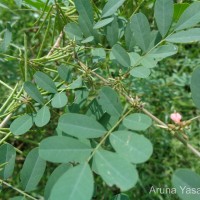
195, 87
21, 125
59, 100
190, 17
191, 35
115, 170
33, 92
163, 11
80, 126
121, 55
42, 117
75, 183
187, 184
111, 7
7, 157
56, 174
141, 30
45, 82
140, 72
137, 121
103, 23
132, 146
63, 149
32, 170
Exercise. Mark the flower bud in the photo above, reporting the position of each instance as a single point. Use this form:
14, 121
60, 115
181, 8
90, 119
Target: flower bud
176, 117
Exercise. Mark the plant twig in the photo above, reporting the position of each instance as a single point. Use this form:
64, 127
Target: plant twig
131, 101
4, 122
56, 45
18, 190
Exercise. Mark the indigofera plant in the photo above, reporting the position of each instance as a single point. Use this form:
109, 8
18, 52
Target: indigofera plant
77, 97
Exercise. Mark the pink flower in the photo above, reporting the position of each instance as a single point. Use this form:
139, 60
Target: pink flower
176, 117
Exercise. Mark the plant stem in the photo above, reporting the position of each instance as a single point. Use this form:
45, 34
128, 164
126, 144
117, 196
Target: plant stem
57, 44
9, 98
6, 85
25, 58
45, 36
5, 137
131, 101
18, 190
49, 11
4, 122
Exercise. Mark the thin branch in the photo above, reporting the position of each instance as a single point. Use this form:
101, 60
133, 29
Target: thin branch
132, 101
56, 45
4, 122
18, 190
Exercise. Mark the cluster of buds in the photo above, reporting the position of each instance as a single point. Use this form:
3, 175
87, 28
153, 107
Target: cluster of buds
137, 103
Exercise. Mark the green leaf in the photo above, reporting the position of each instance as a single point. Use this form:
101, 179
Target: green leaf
35, 5
18, 198
21, 125
88, 39
65, 72
79, 100
121, 55
111, 7
7, 38
121, 197
163, 10
191, 35
85, 10
163, 51
137, 121
156, 37
133, 147
115, 170
42, 117
98, 54
190, 17
76, 83
18, 3
187, 184
73, 31
141, 30
59, 100
112, 32
109, 101
80, 126
7, 157
129, 38
135, 58
95, 110
32, 171
87, 28
76, 183
140, 72
103, 23
33, 92
45, 82
179, 8
148, 61
86, 18
106, 108
195, 87
56, 174
62, 149
5, 7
